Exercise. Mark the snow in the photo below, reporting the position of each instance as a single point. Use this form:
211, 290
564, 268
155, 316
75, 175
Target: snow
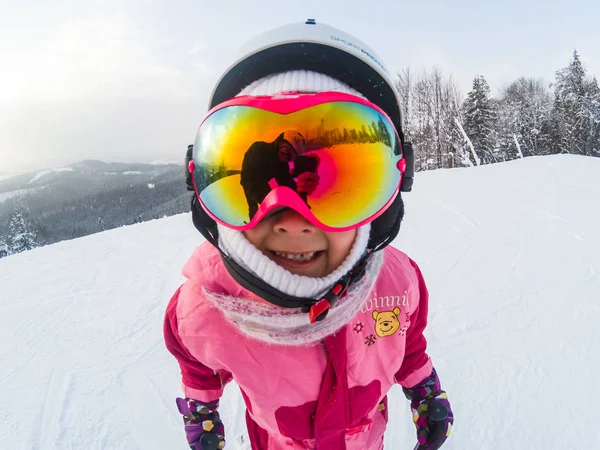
163, 162
127, 172
511, 254
6, 175
6, 195
42, 173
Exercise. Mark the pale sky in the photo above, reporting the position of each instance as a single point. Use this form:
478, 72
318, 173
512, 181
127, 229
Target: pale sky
129, 80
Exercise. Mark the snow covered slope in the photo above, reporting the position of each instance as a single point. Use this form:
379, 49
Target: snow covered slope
511, 253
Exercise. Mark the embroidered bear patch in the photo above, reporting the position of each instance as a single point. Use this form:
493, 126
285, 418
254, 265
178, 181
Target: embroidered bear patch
386, 322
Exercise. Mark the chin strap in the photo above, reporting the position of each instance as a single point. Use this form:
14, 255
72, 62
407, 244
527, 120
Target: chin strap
317, 309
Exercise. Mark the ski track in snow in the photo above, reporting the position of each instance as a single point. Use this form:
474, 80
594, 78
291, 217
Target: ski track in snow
55, 400
511, 264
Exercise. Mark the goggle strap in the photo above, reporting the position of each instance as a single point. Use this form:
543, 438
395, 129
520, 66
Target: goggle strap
203, 223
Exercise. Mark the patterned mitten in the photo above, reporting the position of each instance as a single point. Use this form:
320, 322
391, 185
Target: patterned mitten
203, 427
431, 410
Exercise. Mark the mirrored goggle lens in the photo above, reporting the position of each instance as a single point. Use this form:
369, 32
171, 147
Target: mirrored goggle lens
340, 157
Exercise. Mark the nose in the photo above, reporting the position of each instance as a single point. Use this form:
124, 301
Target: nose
292, 223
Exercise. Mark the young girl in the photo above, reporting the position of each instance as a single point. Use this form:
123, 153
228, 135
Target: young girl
296, 295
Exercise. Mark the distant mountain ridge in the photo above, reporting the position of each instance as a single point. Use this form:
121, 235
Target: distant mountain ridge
94, 168
90, 196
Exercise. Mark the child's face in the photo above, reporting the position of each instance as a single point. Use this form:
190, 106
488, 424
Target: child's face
298, 246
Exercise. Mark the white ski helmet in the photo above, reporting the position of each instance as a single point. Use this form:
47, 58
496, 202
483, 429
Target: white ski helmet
315, 47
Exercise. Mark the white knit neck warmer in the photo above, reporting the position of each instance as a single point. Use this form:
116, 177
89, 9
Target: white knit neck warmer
235, 244
290, 326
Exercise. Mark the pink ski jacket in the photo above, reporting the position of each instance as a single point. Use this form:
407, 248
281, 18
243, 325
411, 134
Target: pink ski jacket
326, 396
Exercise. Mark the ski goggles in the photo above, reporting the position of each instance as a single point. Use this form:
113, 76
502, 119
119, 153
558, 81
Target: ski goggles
334, 158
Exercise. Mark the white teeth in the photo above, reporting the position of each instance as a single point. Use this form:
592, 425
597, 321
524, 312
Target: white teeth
297, 256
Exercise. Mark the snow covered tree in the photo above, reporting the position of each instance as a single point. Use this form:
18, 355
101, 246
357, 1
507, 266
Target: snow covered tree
4, 247
591, 117
480, 121
430, 103
22, 234
524, 112
576, 113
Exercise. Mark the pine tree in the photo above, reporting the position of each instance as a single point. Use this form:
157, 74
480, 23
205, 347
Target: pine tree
480, 121
576, 113
384, 134
592, 116
22, 234
4, 246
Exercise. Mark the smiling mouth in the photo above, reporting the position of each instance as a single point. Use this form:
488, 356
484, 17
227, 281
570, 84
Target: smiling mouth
298, 257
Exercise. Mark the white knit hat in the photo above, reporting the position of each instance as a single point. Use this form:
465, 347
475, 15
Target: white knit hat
235, 244
297, 81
